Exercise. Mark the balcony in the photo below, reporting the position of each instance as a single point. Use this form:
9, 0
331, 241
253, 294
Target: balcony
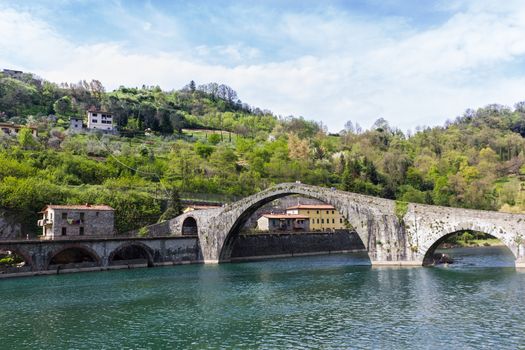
44, 222
75, 221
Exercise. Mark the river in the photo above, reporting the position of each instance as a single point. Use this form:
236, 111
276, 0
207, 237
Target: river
309, 302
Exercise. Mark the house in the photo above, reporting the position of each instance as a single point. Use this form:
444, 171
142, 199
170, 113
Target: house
75, 124
99, 120
283, 222
322, 216
62, 221
14, 129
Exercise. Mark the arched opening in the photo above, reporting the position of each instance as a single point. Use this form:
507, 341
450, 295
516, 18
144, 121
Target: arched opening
14, 260
74, 257
466, 248
189, 226
131, 254
290, 224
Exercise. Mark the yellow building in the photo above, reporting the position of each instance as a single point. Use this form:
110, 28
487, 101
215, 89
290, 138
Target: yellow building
322, 216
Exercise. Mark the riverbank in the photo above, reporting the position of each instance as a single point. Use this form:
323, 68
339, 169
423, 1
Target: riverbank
473, 243
62, 271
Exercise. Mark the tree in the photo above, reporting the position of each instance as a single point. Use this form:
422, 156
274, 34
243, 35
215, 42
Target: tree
349, 127
26, 139
297, 148
174, 208
381, 125
64, 107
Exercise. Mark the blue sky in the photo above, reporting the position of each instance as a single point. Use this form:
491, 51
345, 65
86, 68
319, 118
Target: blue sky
412, 62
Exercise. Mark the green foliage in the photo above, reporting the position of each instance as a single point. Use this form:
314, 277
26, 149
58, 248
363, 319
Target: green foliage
214, 139
64, 107
466, 237
143, 232
475, 162
203, 149
26, 139
401, 208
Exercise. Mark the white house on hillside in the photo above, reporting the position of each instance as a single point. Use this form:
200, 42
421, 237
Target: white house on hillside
99, 120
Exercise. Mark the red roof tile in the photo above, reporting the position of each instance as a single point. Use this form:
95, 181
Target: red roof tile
285, 216
79, 207
312, 206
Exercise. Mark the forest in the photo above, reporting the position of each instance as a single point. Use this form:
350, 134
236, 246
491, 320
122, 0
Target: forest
202, 140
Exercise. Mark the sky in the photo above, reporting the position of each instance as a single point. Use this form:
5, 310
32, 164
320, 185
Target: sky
413, 63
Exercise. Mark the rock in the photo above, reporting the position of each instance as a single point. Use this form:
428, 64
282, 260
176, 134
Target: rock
441, 258
9, 228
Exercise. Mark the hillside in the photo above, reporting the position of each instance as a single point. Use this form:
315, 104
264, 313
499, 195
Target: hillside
208, 142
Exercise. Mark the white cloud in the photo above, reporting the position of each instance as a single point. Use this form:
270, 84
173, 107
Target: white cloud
349, 68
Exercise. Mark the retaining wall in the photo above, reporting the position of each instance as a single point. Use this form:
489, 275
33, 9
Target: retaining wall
289, 244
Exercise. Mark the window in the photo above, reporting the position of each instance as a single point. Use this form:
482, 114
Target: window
340, 220
81, 231
308, 211
318, 212
322, 221
64, 216
94, 114
94, 120
317, 220
64, 231
82, 216
332, 211
96, 214
333, 221
327, 212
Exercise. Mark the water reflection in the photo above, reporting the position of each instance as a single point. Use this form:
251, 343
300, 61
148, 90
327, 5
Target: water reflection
310, 302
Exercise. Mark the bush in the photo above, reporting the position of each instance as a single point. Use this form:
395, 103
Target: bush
214, 139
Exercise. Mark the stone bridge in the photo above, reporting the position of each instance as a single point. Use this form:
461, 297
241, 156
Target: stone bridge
50, 256
393, 233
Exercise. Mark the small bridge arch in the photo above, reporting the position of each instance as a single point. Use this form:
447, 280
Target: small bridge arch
73, 253
132, 251
189, 226
25, 255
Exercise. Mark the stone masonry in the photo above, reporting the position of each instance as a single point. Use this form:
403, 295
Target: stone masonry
393, 233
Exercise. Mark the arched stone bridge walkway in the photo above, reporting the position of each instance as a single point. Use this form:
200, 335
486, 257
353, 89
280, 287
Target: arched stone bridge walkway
392, 233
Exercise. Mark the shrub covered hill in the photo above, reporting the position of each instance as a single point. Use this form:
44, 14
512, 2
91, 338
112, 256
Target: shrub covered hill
204, 140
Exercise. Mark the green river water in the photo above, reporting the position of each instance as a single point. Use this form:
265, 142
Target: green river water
322, 302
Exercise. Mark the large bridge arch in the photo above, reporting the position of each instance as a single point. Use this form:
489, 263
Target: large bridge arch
80, 248
348, 204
